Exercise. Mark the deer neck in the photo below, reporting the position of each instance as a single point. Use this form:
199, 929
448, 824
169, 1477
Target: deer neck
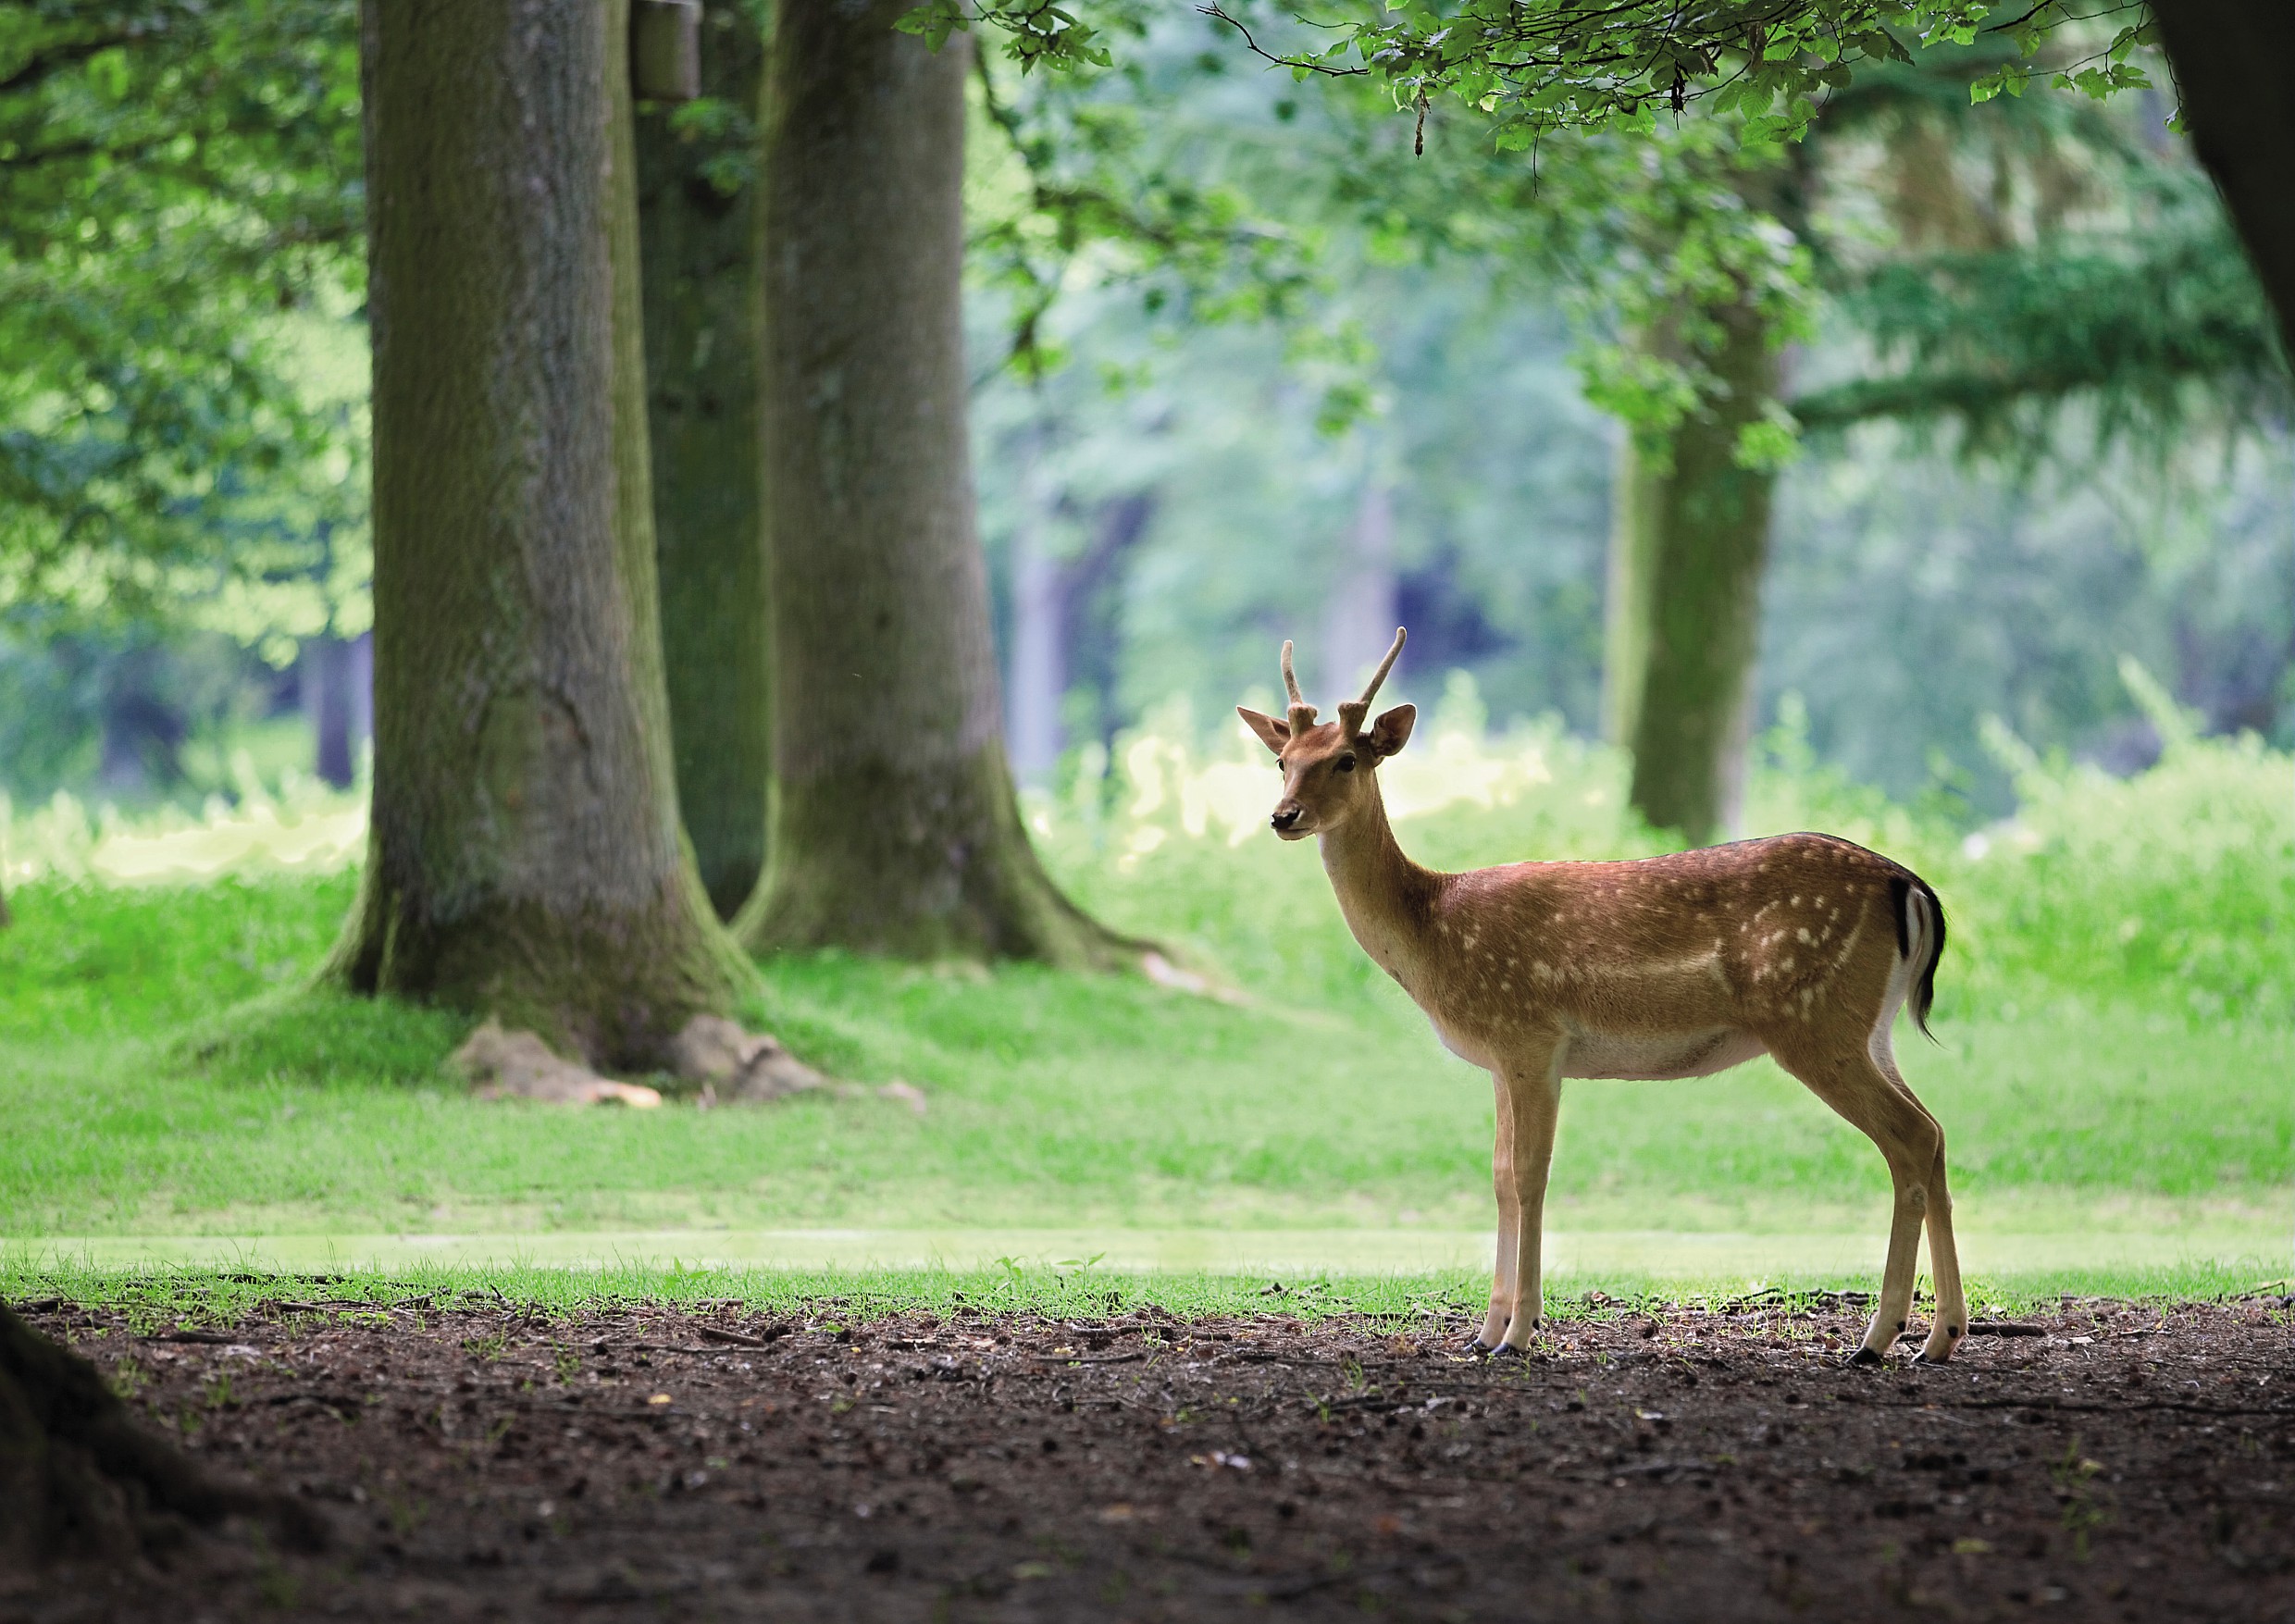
1384, 894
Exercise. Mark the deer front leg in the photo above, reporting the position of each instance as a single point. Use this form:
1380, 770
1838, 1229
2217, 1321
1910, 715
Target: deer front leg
1530, 1094
1509, 1222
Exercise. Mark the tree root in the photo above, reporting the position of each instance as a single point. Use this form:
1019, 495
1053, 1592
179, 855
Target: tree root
79, 1478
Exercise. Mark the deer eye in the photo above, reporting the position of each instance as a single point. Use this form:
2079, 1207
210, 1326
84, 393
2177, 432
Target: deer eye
1347, 764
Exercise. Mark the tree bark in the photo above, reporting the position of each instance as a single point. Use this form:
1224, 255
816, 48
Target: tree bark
2230, 59
526, 857
78, 1478
892, 826
327, 698
1687, 547
699, 245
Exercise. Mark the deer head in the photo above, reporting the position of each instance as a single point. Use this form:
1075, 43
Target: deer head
1327, 769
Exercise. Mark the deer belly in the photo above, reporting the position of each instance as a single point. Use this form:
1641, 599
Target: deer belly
1664, 1054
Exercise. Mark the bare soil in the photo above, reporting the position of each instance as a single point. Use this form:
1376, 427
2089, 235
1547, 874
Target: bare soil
2126, 1462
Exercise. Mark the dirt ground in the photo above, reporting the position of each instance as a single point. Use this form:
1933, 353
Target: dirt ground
2126, 1462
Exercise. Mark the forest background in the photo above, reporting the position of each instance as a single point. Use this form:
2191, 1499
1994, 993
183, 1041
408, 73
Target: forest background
1244, 364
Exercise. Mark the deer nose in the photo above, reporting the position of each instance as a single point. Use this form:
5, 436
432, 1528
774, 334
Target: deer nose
1285, 818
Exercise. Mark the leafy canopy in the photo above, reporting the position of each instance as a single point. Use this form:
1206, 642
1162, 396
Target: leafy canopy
180, 219
1540, 66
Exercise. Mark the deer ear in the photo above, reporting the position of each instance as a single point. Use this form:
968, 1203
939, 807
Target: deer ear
1392, 731
1274, 734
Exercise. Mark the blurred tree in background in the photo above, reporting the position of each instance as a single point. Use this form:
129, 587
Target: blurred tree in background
697, 227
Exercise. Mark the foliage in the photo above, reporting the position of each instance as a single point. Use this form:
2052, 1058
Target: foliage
2154, 332
1097, 178
1542, 65
1910, 595
180, 203
2181, 878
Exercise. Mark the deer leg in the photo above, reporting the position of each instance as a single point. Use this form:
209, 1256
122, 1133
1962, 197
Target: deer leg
1509, 1222
1908, 1140
1952, 1300
1950, 1323
1534, 1096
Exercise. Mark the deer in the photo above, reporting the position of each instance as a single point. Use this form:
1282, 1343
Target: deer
1803, 947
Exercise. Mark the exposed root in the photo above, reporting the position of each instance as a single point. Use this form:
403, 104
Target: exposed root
77, 1477
739, 1064
518, 1065
732, 1064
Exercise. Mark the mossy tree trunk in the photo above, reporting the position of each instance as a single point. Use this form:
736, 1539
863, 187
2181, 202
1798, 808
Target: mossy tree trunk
893, 827
1689, 540
697, 228
526, 857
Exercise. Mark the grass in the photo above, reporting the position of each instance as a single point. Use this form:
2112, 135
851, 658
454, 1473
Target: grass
168, 1070
154, 1298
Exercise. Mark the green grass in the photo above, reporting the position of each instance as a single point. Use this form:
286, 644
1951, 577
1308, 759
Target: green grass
155, 1297
167, 1070
1055, 1102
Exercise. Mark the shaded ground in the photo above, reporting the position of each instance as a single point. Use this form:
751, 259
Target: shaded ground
2135, 1463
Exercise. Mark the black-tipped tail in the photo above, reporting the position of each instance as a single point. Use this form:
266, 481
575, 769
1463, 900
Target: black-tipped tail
1902, 887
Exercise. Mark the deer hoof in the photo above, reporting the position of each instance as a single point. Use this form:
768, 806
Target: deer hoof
1505, 1350
1865, 1357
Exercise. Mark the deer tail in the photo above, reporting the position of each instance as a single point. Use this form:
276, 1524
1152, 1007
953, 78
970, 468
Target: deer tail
1919, 939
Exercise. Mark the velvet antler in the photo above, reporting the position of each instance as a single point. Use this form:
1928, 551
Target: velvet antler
1352, 712
1302, 714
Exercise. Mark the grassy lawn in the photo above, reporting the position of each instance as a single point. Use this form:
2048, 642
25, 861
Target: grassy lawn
1054, 1102
169, 1072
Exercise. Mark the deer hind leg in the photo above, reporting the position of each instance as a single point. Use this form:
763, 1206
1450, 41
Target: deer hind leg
1502, 1275
1846, 1078
1532, 1093
1952, 1300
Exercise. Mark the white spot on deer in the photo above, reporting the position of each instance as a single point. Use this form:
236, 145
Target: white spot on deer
1801, 935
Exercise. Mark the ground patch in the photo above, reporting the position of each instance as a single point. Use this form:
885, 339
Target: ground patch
2127, 1461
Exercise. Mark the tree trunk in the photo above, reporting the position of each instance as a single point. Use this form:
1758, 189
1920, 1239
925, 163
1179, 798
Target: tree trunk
893, 827
1358, 617
78, 1478
327, 700
2230, 59
1091, 607
1687, 546
526, 857
699, 243
1038, 674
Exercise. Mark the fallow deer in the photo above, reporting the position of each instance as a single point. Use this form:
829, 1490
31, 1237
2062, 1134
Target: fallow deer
1802, 947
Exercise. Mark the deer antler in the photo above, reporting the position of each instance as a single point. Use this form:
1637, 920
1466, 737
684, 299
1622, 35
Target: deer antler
1352, 712
1302, 713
